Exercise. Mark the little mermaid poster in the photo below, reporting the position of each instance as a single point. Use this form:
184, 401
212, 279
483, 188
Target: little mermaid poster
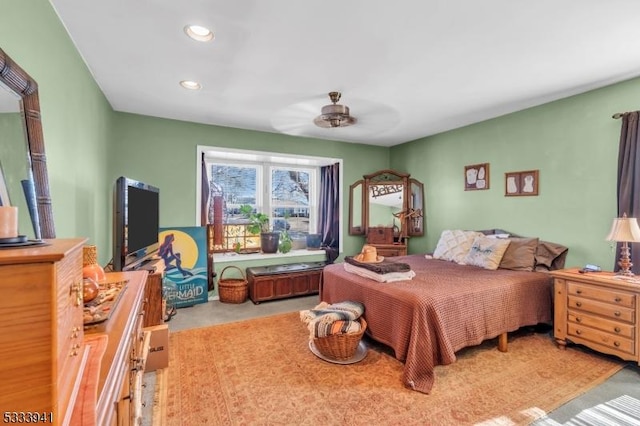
184, 252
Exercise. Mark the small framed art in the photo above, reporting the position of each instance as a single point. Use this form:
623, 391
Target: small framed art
476, 177
521, 183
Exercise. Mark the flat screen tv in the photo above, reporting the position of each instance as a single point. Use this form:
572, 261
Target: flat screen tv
136, 219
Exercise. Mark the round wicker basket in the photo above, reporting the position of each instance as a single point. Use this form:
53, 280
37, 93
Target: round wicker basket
340, 346
232, 290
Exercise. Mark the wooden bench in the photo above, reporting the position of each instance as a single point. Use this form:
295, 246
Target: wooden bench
284, 281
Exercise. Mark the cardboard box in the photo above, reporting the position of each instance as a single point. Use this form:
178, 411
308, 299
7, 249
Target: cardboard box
158, 356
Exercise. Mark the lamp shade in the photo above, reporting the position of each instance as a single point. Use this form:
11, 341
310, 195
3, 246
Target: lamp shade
624, 229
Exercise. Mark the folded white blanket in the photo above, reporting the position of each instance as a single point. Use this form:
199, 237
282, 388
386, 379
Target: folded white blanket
383, 278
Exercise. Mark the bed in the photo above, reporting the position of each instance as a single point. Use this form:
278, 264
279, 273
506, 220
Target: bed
448, 305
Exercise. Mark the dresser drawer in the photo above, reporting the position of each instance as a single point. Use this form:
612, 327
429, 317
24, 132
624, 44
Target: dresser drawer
390, 252
614, 327
618, 343
619, 298
604, 309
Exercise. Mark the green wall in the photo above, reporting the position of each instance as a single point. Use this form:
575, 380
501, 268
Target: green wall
76, 118
574, 144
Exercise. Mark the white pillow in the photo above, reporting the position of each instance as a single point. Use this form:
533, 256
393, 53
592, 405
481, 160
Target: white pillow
454, 245
487, 252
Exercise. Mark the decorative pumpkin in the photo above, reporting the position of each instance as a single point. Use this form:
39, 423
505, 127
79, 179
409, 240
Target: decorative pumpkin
90, 290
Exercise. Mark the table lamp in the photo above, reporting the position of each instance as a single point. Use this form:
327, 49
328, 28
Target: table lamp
624, 230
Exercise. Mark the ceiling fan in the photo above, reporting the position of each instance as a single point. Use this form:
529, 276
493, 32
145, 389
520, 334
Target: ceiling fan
334, 115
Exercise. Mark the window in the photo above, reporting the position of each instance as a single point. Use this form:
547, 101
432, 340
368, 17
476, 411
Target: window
284, 187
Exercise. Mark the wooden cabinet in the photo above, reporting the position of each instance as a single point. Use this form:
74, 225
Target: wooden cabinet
390, 250
283, 281
41, 330
597, 310
122, 366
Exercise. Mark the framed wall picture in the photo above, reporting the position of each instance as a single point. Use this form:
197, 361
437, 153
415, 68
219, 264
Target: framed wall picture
521, 183
476, 177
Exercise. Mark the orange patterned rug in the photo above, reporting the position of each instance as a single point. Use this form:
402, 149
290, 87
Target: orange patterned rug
261, 372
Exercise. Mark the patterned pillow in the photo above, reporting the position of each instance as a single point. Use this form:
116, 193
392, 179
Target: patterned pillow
520, 255
487, 252
454, 245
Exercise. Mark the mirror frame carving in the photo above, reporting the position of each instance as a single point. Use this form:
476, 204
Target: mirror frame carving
16, 79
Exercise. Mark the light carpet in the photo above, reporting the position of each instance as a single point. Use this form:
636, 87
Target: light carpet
261, 372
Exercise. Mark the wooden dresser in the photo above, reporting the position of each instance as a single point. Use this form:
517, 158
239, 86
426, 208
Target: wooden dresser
122, 366
599, 311
390, 250
42, 354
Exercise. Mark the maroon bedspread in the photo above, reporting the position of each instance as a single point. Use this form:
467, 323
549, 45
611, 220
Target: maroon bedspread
445, 308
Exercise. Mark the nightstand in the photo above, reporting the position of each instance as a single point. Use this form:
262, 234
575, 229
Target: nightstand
597, 310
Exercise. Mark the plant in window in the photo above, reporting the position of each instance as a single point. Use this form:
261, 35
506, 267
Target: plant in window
259, 222
285, 239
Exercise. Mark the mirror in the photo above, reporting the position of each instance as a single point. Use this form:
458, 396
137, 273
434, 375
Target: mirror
416, 208
387, 199
23, 163
356, 212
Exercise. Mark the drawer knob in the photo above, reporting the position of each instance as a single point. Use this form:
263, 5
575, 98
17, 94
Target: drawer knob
616, 344
578, 291
578, 331
578, 319
578, 304
616, 313
618, 299
617, 329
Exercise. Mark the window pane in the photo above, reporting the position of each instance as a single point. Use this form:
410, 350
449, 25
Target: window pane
237, 185
290, 199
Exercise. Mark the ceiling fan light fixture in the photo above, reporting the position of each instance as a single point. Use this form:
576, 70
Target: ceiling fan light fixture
334, 115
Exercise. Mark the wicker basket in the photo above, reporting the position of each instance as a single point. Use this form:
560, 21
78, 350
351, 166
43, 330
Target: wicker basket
340, 346
232, 290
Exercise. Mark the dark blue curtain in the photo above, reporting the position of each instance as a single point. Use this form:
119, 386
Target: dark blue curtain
629, 179
329, 210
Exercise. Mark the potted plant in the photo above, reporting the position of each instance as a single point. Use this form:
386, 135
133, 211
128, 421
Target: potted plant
259, 224
285, 239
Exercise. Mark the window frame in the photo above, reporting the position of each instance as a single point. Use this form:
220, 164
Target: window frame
268, 160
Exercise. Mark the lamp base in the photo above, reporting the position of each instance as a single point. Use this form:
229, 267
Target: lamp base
625, 261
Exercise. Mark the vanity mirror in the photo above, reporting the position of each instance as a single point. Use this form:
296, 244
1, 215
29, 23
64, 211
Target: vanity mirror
387, 206
22, 155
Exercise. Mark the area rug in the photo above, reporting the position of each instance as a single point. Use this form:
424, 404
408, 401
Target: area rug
261, 372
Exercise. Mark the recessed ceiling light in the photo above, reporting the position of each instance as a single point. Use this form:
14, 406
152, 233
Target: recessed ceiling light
198, 32
191, 85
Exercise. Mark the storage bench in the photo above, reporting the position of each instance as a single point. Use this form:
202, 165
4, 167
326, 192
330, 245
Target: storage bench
284, 281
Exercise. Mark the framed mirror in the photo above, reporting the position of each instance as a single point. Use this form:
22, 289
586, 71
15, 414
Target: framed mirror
385, 198
356, 210
24, 179
415, 226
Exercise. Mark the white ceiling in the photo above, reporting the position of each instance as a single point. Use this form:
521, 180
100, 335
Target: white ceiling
406, 69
